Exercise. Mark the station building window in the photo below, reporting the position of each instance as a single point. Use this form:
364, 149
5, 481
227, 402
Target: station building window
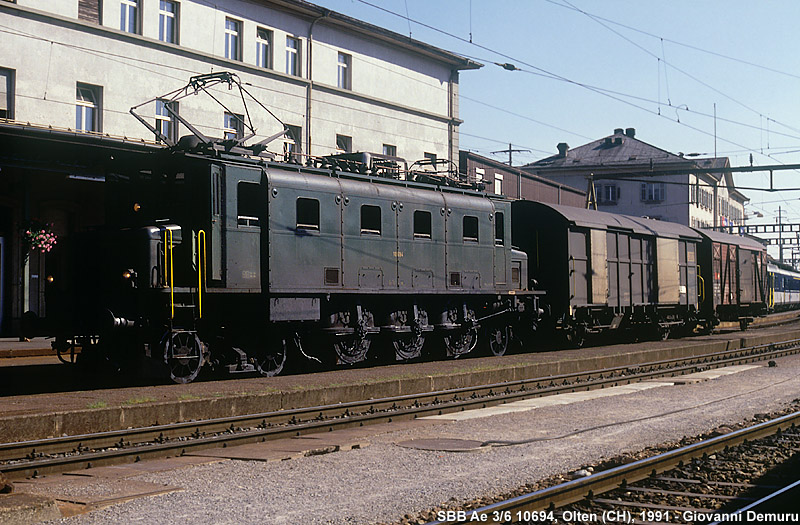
87, 108
307, 214
652, 191
344, 67
6, 93
233, 40
264, 48
370, 219
498, 183
291, 142
344, 144
168, 21
233, 126
166, 123
293, 56
608, 193
129, 16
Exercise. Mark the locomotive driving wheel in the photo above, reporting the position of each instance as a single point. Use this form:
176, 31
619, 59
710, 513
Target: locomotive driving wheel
408, 344
271, 359
461, 341
498, 337
183, 354
353, 348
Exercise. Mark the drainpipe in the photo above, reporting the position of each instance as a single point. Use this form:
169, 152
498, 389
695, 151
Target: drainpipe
309, 69
451, 114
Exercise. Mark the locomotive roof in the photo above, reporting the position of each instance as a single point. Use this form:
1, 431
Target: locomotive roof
727, 238
604, 220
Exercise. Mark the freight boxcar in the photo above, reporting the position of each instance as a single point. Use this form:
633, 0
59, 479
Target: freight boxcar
734, 278
604, 272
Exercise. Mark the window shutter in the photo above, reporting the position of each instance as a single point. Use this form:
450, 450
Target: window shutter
5, 80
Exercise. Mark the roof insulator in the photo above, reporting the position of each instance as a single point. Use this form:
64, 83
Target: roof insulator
507, 66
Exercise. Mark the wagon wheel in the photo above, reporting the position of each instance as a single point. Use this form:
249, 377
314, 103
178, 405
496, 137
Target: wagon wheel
183, 354
408, 345
461, 341
575, 335
498, 338
271, 359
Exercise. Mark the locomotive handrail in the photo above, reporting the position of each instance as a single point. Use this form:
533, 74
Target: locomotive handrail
702, 286
168, 266
201, 270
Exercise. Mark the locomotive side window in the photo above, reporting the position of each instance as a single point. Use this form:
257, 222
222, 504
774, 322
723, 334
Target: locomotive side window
247, 207
422, 224
499, 229
307, 214
370, 219
470, 228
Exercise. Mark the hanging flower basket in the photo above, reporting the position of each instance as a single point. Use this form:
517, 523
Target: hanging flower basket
39, 236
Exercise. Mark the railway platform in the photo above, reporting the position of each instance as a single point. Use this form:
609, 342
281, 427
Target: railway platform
375, 477
47, 413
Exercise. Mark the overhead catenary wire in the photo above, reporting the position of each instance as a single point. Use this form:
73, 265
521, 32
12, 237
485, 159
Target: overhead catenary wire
565, 4
546, 72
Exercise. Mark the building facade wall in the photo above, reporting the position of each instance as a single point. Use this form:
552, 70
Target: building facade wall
693, 200
395, 96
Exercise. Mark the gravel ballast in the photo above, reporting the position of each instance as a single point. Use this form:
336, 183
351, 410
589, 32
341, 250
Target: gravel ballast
383, 482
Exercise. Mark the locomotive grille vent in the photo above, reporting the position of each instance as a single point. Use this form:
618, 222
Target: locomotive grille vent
331, 275
455, 279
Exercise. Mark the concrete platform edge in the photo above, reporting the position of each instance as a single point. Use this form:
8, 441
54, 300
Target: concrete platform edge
58, 423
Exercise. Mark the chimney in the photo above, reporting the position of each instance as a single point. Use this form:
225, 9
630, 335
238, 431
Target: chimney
563, 148
631, 132
618, 131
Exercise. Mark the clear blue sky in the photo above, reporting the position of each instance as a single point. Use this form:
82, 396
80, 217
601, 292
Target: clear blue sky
551, 37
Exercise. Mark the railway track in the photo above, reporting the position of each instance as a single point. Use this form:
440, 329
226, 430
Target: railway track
51, 455
707, 481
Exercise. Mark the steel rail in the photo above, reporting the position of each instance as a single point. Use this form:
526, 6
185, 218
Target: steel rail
586, 488
27, 458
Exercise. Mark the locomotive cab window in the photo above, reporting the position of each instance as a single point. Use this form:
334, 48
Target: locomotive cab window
370, 219
247, 203
499, 229
470, 228
307, 214
422, 224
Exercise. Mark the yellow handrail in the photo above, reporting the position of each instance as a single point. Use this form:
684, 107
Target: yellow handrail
702, 286
201, 270
169, 263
